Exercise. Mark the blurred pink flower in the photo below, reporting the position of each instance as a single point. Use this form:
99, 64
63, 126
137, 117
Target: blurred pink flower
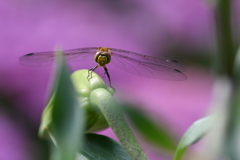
145, 27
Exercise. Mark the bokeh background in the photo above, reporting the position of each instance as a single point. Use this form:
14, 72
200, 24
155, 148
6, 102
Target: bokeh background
183, 30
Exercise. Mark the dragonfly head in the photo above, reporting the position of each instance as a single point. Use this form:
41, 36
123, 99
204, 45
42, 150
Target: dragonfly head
103, 56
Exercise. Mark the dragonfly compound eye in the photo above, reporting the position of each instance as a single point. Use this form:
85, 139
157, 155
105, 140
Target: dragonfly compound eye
102, 58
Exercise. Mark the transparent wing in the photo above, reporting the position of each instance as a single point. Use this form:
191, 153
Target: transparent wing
40, 59
169, 63
150, 68
146, 66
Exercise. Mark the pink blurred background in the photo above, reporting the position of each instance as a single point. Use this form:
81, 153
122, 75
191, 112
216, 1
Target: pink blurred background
148, 27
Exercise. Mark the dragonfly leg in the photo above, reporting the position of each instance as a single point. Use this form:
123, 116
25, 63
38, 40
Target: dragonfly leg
106, 72
90, 72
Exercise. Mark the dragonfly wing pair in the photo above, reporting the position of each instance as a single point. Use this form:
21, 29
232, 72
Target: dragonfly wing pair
42, 59
142, 65
148, 66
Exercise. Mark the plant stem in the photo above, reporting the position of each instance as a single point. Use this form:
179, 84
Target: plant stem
109, 107
225, 65
226, 52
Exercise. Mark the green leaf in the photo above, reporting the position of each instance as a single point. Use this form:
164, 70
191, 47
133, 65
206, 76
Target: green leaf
193, 135
103, 99
102, 148
63, 117
157, 135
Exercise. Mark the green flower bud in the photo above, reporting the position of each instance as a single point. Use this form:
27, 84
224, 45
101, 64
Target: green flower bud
84, 82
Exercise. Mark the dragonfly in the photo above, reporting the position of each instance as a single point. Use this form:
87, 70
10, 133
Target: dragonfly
134, 63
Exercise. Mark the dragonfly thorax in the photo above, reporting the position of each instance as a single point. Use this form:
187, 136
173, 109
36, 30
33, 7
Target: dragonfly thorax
102, 57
